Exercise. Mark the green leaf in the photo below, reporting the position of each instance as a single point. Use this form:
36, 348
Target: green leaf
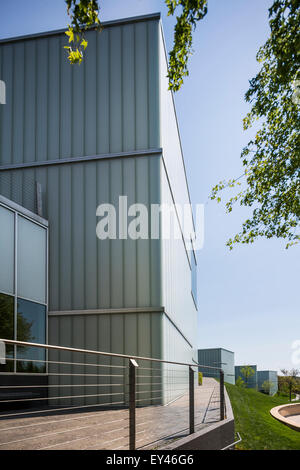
70, 34
84, 43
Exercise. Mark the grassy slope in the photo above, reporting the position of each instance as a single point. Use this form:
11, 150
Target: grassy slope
253, 421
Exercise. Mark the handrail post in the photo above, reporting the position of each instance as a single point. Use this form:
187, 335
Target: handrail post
222, 398
191, 400
132, 403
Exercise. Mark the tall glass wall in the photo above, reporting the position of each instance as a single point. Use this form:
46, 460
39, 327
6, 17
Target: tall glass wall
23, 290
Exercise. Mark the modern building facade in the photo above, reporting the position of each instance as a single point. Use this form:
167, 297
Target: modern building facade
86, 135
217, 357
251, 381
266, 379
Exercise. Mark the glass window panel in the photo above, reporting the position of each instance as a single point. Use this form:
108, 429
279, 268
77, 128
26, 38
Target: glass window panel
7, 242
31, 261
31, 327
7, 329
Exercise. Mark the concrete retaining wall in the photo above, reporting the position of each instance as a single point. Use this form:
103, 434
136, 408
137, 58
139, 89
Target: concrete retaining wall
214, 437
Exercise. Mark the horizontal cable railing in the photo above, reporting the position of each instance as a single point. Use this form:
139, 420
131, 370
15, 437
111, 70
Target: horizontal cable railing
88, 399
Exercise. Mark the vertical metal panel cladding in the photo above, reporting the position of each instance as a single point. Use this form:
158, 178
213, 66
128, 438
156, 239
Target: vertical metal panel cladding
130, 333
267, 376
176, 271
217, 357
176, 267
227, 364
171, 143
86, 272
175, 348
211, 358
110, 103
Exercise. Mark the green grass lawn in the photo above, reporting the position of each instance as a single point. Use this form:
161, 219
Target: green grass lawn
256, 426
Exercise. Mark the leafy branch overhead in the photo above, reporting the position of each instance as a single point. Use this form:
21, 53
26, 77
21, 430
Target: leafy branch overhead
84, 15
271, 160
270, 183
192, 11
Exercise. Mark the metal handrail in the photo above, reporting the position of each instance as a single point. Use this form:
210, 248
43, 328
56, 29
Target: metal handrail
101, 353
133, 393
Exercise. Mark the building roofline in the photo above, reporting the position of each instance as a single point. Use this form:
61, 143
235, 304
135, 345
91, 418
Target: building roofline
267, 370
247, 365
216, 349
122, 21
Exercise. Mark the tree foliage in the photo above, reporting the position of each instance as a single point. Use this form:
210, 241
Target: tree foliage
191, 12
84, 15
291, 381
240, 382
267, 386
270, 183
247, 372
7, 329
7, 321
272, 159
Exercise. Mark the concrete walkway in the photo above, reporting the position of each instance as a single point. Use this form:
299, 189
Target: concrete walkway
157, 426
297, 398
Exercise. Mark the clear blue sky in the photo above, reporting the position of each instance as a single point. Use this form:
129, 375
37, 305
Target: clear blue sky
248, 298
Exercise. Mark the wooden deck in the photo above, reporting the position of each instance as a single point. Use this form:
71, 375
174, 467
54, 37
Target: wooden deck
157, 426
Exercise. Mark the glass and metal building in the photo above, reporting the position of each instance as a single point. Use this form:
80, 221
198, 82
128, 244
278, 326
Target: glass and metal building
87, 135
217, 357
251, 380
267, 381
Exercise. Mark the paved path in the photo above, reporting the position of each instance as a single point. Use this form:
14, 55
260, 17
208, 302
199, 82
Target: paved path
297, 398
156, 425
295, 419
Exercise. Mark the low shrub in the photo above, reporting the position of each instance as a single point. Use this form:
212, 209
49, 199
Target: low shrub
200, 378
